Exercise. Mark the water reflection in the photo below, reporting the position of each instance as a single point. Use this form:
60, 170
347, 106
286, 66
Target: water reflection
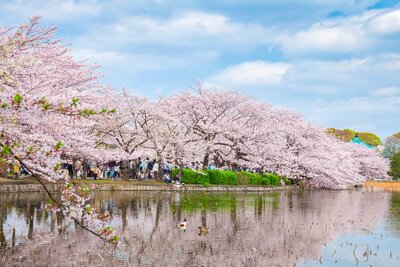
270, 229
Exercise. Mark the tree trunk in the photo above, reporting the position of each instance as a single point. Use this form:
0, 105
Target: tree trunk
159, 170
124, 170
180, 173
74, 172
84, 170
205, 161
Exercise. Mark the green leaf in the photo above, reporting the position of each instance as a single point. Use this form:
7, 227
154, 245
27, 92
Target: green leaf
88, 112
17, 99
46, 106
89, 209
114, 238
6, 150
4, 105
75, 101
59, 145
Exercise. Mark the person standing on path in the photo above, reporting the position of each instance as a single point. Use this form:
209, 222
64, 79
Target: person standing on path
144, 168
16, 169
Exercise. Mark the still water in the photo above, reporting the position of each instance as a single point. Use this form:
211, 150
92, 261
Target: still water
288, 228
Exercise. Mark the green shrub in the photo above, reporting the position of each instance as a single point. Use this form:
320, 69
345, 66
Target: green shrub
287, 181
395, 166
223, 177
265, 180
190, 176
271, 179
220, 177
245, 178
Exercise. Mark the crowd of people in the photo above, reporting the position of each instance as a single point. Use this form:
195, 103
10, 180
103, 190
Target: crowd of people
137, 169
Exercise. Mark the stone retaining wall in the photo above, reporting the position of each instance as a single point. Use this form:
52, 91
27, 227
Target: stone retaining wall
14, 188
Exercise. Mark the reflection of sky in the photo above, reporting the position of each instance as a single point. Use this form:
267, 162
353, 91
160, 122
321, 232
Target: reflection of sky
15, 221
275, 228
380, 241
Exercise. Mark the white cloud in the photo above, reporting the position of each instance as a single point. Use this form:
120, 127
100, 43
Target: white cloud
386, 91
190, 28
344, 76
320, 38
386, 23
353, 34
128, 62
53, 9
251, 73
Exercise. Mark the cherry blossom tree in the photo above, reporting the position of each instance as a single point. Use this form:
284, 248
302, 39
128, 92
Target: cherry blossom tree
231, 127
47, 104
215, 123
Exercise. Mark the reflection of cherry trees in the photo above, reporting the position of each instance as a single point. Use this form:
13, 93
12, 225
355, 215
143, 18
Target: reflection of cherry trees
246, 229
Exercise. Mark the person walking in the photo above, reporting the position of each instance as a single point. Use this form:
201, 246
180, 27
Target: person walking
154, 170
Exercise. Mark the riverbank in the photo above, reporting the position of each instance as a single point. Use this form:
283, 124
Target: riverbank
8, 185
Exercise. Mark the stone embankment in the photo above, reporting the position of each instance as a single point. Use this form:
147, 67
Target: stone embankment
14, 188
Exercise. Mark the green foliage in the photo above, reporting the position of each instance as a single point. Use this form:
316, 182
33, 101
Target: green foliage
17, 99
223, 177
370, 138
249, 178
88, 112
347, 135
271, 179
396, 135
395, 166
219, 177
6, 150
114, 239
190, 176
74, 102
59, 145
287, 181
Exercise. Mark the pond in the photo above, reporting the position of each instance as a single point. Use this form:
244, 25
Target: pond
288, 228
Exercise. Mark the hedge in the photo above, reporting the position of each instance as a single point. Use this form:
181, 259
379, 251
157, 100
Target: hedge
221, 177
190, 176
251, 178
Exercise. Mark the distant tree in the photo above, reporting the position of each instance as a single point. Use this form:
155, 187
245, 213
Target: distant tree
396, 135
392, 146
395, 166
347, 135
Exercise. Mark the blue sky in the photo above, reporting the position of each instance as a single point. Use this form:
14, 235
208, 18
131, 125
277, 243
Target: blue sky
335, 61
